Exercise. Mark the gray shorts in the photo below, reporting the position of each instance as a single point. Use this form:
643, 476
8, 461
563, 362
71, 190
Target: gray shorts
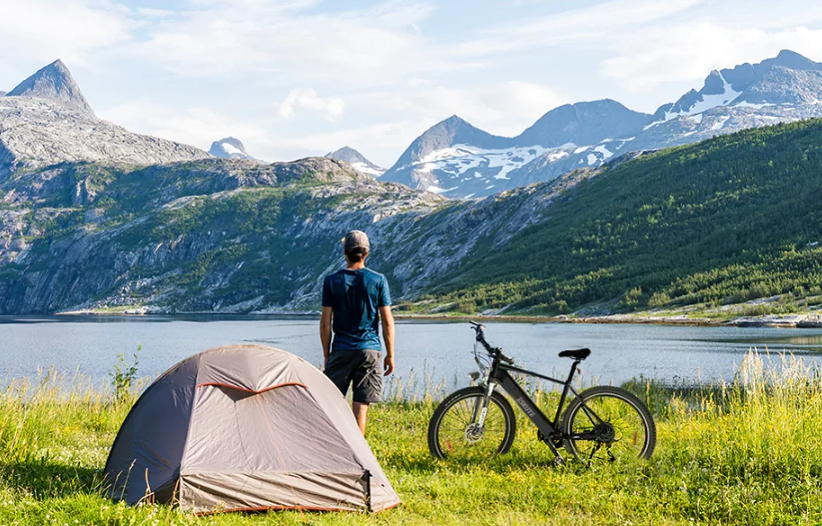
363, 368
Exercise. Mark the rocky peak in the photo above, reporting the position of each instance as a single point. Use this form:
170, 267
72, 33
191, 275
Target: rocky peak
53, 82
357, 160
229, 148
792, 60
447, 133
582, 123
320, 170
348, 155
714, 83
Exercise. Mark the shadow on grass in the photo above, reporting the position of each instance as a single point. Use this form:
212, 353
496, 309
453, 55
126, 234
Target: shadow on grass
515, 460
45, 479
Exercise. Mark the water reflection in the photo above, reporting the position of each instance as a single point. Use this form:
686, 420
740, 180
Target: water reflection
433, 352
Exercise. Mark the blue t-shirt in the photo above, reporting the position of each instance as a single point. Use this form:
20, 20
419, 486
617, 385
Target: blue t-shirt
355, 296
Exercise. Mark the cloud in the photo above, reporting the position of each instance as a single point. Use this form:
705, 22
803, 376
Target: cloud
580, 27
688, 52
150, 12
198, 126
44, 30
504, 108
307, 99
379, 75
233, 37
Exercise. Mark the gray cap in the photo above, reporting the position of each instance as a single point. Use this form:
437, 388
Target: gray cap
354, 240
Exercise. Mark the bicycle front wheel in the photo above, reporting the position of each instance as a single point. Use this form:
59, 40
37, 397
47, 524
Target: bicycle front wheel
453, 432
608, 423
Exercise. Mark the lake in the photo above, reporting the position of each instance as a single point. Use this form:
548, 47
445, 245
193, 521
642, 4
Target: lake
441, 351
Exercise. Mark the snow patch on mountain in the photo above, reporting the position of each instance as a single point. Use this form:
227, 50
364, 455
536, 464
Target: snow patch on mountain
702, 103
368, 169
720, 122
712, 101
462, 158
746, 104
230, 148
356, 160
604, 151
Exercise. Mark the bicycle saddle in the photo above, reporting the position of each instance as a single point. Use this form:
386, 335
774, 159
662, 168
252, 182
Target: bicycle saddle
577, 354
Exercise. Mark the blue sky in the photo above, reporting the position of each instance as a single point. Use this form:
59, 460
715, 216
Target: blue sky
293, 78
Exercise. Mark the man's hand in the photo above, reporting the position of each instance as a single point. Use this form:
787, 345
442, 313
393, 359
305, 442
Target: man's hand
389, 365
388, 336
325, 333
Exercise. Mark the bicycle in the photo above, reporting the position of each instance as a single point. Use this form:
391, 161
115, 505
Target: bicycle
600, 423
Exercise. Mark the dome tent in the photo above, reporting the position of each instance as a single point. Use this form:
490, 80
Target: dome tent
245, 427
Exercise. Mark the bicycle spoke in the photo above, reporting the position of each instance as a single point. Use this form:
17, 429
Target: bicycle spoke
457, 437
622, 431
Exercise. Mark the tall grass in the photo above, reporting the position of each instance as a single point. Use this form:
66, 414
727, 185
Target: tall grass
744, 452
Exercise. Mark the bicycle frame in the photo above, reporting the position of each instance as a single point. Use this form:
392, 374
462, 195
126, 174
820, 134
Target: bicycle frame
498, 375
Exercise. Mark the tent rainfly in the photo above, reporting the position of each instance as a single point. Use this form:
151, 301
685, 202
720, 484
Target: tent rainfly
243, 428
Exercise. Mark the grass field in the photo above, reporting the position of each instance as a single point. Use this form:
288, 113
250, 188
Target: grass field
746, 453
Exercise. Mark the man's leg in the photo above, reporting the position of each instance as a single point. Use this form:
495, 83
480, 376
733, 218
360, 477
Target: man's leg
361, 414
338, 370
367, 378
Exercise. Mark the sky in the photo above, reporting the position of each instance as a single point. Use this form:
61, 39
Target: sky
294, 78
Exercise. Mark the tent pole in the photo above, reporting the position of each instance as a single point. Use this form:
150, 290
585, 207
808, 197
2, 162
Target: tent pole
367, 476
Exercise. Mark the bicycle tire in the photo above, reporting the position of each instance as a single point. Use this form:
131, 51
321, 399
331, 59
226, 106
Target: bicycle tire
452, 400
590, 397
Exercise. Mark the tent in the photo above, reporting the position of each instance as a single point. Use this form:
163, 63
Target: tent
243, 428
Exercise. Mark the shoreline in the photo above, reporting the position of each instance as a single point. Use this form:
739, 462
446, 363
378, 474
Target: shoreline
786, 321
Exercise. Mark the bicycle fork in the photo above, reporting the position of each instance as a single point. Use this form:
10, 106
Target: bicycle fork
481, 407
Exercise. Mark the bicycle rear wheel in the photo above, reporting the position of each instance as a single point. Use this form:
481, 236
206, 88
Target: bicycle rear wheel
453, 433
608, 423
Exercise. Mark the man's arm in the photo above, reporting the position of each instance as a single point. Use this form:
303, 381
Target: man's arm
388, 336
325, 332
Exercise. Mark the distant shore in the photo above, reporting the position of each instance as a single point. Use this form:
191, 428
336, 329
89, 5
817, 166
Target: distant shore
803, 320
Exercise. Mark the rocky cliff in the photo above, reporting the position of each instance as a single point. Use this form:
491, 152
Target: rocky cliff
46, 120
227, 235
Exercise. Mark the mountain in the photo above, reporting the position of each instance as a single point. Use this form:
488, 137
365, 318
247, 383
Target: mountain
437, 158
785, 88
725, 221
229, 148
357, 160
458, 160
2, 93
732, 219
582, 123
45, 121
212, 235
53, 82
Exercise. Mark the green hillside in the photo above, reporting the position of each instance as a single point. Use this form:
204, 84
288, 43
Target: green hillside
723, 221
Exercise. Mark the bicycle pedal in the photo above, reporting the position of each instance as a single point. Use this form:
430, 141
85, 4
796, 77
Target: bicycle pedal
558, 461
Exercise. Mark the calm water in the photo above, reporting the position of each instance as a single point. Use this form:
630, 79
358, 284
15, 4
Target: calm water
89, 345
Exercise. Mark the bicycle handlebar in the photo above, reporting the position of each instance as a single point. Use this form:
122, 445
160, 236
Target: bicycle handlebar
493, 351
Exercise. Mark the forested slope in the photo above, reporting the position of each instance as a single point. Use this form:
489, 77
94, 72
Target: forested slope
723, 221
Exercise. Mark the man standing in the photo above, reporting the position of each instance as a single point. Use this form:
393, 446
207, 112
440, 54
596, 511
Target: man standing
354, 300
